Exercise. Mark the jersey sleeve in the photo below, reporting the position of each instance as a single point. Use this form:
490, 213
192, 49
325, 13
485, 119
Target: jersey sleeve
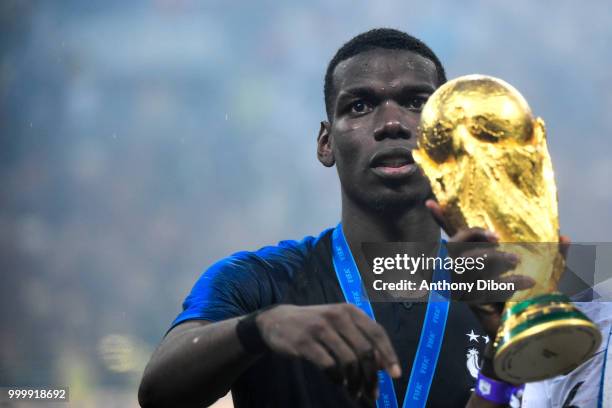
243, 282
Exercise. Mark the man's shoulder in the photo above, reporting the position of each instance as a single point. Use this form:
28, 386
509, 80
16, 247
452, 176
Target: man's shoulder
249, 280
287, 254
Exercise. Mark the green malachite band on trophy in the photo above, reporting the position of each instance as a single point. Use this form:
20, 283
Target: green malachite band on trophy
539, 320
538, 300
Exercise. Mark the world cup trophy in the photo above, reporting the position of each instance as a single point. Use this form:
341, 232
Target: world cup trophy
486, 158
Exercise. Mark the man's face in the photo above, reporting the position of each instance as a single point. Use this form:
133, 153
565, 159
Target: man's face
377, 106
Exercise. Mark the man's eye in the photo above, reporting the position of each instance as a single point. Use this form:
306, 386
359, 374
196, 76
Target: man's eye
360, 107
417, 103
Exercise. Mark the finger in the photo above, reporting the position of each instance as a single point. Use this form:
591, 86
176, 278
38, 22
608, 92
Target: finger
491, 254
516, 282
489, 309
338, 347
358, 362
437, 213
351, 349
475, 235
346, 359
318, 355
495, 263
369, 371
379, 340
349, 331
354, 378
489, 315
564, 245
520, 282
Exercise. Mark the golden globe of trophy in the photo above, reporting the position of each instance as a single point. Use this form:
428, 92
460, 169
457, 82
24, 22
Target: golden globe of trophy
486, 158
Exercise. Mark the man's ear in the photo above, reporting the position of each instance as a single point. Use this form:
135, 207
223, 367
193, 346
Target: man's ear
325, 152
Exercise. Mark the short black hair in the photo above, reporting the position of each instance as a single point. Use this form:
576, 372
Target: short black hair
387, 38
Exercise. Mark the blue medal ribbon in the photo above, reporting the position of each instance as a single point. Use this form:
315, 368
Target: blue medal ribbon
432, 334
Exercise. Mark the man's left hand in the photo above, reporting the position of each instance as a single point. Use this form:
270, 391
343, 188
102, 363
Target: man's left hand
496, 265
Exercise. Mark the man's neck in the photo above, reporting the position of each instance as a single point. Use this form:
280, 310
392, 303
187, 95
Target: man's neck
414, 224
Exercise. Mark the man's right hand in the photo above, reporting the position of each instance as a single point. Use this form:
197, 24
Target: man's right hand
340, 339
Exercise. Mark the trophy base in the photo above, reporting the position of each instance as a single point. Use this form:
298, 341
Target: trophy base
543, 337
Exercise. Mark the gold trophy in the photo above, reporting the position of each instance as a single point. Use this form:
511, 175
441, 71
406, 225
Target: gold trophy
486, 158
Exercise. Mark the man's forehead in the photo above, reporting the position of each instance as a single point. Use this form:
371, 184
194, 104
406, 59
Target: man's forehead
389, 67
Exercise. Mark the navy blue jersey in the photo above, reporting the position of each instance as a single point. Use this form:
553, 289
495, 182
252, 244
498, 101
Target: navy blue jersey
246, 281
302, 273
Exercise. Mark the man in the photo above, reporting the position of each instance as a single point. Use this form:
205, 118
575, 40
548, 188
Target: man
274, 326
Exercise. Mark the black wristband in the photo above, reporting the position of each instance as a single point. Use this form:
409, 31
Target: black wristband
249, 335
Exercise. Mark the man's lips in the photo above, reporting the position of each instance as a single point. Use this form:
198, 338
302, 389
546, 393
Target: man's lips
395, 172
393, 163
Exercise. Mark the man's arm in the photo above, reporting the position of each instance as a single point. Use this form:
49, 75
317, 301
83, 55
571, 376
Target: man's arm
195, 365
197, 362
200, 357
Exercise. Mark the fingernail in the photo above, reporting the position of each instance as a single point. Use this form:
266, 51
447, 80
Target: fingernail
527, 282
521, 282
395, 371
514, 258
492, 235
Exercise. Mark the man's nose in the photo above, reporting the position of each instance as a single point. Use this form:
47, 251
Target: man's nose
392, 122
